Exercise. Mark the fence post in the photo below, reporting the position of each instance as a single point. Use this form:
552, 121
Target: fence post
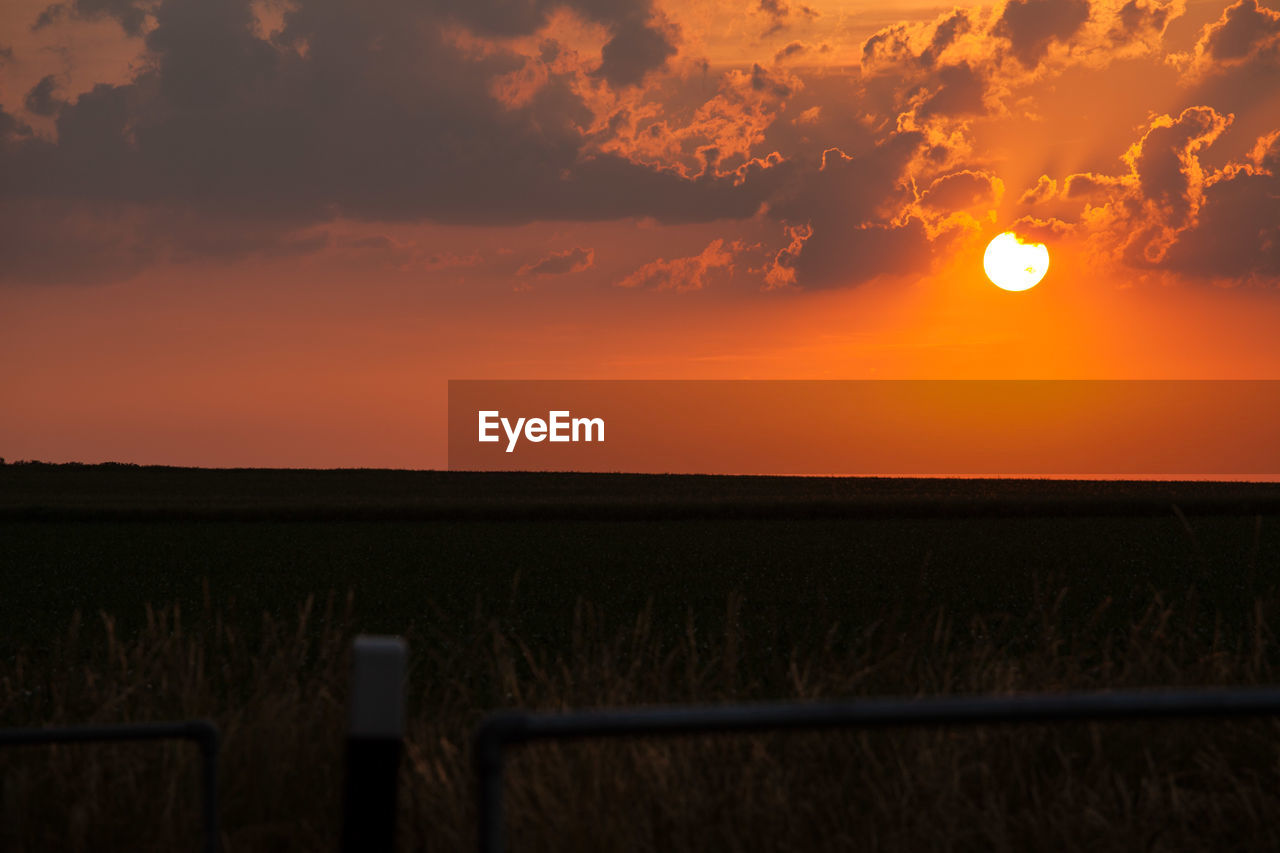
375, 741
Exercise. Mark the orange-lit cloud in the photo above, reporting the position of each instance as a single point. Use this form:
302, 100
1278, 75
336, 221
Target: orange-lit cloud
1246, 34
714, 263
576, 259
246, 130
1169, 210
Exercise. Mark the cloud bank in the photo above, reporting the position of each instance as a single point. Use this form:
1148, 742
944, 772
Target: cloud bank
230, 139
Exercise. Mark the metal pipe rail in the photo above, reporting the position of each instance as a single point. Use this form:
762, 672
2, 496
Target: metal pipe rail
203, 732
506, 729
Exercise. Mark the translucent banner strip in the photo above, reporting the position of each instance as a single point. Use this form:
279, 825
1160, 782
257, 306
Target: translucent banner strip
957, 428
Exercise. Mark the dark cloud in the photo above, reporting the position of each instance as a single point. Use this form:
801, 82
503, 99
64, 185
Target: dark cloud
52, 243
960, 190
1089, 187
1036, 230
858, 254
13, 133
763, 81
779, 12
1165, 163
1138, 19
360, 110
1235, 64
42, 100
1237, 231
49, 16
1165, 188
381, 111
635, 49
131, 15
1243, 29
365, 110
1171, 211
1031, 26
944, 33
844, 219
1266, 153
790, 51
55, 241
1046, 189
943, 72
884, 47
559, 263
958, 91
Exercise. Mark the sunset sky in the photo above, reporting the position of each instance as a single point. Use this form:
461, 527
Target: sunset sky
267, 233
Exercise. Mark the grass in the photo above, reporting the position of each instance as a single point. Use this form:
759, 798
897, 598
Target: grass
143, 594
279, 699
789, 571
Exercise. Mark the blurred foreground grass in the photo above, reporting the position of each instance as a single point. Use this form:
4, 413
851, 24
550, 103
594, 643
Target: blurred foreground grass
276, 687
133, 594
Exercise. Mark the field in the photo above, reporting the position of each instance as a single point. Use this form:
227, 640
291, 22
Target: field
141, 593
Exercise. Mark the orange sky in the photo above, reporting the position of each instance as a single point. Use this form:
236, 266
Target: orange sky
268, 233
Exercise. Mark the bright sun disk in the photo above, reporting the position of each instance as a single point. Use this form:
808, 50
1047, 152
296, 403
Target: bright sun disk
1014, 265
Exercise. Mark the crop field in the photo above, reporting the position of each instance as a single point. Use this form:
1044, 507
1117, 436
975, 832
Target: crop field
139, 593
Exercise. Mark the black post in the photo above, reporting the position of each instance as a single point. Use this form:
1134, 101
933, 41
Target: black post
494, 735
375, 740
206, 734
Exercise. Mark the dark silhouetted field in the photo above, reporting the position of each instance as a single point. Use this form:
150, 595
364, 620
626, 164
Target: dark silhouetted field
573, 590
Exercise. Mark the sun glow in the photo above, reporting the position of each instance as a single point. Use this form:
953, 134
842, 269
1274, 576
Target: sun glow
1014, 265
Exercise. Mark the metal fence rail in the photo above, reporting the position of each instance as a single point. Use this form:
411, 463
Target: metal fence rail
202, 732
506, 729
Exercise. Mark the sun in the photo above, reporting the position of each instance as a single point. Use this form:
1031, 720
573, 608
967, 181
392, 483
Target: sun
1014, 265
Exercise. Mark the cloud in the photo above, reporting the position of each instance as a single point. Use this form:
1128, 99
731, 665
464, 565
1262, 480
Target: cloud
1237, 232
485, 112
1171, 211
1165, 209
1245, 34
919, 43
13, 133
367, 111
561, 262
716, 139
1046, 189
778, 12
861, 253
849, 221
958, 91
131, 15
1137, 20
42, 100
790, 51
1031, 26
714, 263
812, 115
60, 242
966, 63
1094, 188
636, 49
962, 190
